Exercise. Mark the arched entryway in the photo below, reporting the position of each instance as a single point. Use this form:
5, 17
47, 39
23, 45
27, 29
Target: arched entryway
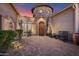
41, 28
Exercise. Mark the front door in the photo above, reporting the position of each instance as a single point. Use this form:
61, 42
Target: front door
41, 28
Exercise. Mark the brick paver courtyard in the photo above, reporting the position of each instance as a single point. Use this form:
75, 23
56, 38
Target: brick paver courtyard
43, 45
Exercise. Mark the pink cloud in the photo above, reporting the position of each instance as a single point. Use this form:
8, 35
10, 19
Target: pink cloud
25, 12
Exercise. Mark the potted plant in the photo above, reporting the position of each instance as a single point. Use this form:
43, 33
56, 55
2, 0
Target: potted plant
29, 33
19, 33
50, 32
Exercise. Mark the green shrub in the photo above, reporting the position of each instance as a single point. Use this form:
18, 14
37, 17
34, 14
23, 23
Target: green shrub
6, 37
29, 31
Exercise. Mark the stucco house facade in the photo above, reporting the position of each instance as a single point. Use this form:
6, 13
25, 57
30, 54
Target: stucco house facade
24, 23
65, 20
8, 16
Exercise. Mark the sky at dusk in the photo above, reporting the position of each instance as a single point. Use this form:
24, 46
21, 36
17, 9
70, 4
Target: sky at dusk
25, 8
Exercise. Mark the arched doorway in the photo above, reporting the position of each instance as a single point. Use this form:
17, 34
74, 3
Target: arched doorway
41, 28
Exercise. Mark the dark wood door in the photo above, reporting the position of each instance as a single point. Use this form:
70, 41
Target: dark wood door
41, 28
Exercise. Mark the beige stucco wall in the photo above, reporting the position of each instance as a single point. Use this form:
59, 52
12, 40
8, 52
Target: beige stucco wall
7, 10
5, 25
76, 17
64, 21
8, 24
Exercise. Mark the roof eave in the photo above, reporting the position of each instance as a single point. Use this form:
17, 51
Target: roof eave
69, 6
14, 8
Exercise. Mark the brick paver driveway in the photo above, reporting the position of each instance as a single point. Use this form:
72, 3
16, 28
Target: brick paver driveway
43, 45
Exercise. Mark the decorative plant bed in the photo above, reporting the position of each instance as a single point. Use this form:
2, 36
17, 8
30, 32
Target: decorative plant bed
6, 37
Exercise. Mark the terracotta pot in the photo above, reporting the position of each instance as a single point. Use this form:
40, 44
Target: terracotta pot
76, 38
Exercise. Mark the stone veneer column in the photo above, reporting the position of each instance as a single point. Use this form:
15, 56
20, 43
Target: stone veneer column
76, 18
